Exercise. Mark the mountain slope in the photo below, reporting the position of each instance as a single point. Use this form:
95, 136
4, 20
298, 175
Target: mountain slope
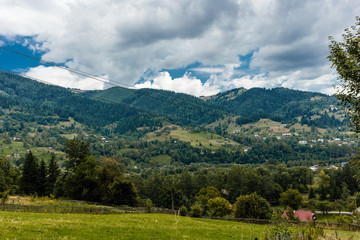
183, 108
279, 104
28, 101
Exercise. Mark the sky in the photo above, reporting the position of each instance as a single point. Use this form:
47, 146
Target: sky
199, 47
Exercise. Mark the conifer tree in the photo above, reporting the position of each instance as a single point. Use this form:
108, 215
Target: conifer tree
42, 179
53, 174
30, 178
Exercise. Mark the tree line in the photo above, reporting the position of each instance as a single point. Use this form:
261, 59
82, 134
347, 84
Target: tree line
105, 180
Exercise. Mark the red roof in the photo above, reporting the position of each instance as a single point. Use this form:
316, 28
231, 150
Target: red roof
301, 215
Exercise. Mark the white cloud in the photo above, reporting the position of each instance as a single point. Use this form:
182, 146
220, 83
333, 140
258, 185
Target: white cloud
125, 39
64, 78
185, 84
210, 70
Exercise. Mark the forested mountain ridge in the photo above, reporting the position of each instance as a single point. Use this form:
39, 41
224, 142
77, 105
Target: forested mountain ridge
30, 101
179, 128
125, 110
278, 104
183, 108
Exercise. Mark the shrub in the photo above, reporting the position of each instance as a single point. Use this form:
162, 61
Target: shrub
183, 211
196, 210
218, 207
324, 206
292, 198
251, 206
148, 205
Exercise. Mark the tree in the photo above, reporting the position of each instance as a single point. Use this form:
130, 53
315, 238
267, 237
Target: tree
109, 171
251, 206
218, 207
345, 58
83, 183
292, 198
7, 176
76, 151
123, 192
205, 194
53, 174
324, 206
42, 179
29, 181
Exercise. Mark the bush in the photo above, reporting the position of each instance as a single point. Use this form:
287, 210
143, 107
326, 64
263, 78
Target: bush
183, 211
196, 210
218, 207
324, 206
148, 205
251, 206
291, 198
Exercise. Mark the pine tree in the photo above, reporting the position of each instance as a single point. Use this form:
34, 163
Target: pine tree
53, 174
30, 178
42, 179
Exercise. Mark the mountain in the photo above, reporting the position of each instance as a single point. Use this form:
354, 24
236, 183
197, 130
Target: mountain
278, 104
173, 127
182, 108
121, 110
30, 101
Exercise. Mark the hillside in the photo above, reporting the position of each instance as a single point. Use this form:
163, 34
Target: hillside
281, 105
182, 108
168, 127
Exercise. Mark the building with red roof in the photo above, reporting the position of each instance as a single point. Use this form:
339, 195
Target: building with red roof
303, 216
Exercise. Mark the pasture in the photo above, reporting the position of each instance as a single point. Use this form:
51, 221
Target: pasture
25, 225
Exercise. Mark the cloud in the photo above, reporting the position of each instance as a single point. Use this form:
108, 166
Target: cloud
125, 39
185, 84
210, 70
64, 78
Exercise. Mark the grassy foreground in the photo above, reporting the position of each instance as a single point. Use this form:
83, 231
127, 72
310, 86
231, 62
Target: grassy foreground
20, 225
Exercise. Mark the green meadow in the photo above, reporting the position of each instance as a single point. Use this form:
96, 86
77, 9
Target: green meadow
21, 225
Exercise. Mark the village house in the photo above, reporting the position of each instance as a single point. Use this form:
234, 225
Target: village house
314, 168
303, 216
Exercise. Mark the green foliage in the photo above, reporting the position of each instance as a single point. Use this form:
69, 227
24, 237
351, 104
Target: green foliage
251, 206
196, 210
83, 183
148, 205
8, 177
29, 181
290, 213
291, 198
110, 171
205, 194
324, 206
43, 172
344, 56
123, 192
218, 207
76, 151
183, 211
53, 175
282, 232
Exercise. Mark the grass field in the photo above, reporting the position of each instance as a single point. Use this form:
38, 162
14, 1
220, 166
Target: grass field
16, 147
196, 139
19, 225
